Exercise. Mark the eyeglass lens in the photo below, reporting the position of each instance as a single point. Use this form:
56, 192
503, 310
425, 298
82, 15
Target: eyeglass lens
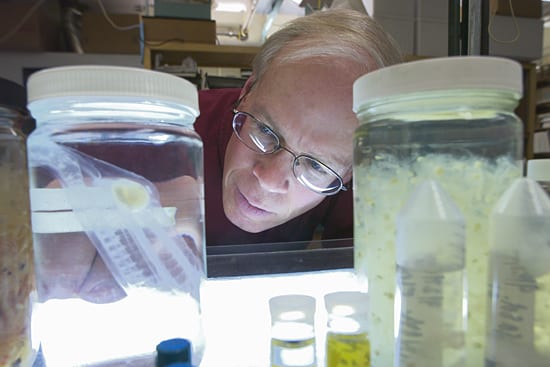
262, 139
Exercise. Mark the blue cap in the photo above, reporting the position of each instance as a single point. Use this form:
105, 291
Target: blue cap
173, 350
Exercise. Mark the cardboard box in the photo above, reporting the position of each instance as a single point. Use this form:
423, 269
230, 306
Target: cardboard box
41, 32
156, 29
99, 36
522, 8
527, 47
186, 9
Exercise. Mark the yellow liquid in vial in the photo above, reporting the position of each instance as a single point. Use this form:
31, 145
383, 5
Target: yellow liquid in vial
346, 350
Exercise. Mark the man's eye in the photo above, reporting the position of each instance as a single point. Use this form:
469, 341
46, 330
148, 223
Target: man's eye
317, 167
263, 129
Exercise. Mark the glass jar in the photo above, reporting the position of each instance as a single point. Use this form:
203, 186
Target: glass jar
450, 120
347, 339
116, 173
293, 331
17, 283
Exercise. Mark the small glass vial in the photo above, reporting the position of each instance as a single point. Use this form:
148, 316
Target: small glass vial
116, 172
293, 331
539, 170
447, 119
347, 341
519, 312
17, 282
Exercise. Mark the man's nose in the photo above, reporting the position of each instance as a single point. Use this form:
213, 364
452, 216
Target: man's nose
274, 171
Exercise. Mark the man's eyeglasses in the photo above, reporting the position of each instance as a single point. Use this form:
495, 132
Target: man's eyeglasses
309, 171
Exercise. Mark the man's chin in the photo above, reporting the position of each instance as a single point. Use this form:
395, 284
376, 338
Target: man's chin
249, 226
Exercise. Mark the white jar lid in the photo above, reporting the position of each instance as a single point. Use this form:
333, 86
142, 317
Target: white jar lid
445, 73
111, 81
539, 169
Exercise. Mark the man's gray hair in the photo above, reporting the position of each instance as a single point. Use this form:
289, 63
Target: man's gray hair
333, 34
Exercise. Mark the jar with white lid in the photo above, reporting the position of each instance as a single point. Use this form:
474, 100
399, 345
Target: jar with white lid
17, 283
116, 172
450, 120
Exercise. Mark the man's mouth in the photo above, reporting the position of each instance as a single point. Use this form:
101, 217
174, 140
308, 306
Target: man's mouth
248, 207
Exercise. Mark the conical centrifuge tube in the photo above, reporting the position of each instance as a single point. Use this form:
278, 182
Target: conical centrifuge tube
430, 291
519, 311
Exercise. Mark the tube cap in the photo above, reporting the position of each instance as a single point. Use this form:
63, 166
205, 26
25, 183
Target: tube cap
173, 350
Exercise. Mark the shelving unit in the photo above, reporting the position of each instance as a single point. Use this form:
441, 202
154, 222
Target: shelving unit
527, 108
542, 107
205, 55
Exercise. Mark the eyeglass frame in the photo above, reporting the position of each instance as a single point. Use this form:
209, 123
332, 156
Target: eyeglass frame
278, 147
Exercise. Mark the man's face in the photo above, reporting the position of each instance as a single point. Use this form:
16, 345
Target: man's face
309, 105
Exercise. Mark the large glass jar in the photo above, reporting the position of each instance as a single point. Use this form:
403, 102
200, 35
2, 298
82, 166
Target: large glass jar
116, 173
17, 286
450, 120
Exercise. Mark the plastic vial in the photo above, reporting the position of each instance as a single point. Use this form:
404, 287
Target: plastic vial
539, 170
430, 292
519, 312
347, 341
292, 331
171, 351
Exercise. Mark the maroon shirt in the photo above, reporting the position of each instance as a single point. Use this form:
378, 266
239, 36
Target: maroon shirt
334, 214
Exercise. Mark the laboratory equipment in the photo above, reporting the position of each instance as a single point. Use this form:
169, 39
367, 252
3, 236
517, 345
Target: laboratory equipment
430, 295
117, 213
172, 351
17, 283
293, 331
447, 119
347, 340
518, 313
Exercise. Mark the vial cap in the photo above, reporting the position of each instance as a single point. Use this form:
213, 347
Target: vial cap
172, 351
539, 169
438, 74
111, 81
346, 301
292, 307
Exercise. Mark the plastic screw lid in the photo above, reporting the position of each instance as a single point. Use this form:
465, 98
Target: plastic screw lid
172, 351
539, 169
292, 307
354, 302
98, 80
448, 73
